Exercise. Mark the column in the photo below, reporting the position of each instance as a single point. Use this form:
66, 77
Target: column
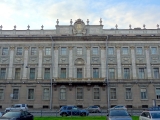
119, 62
70, 61
88, 64
148, 62
103, 61
10, 69
40, 62
133, 62
25, 63
55, 69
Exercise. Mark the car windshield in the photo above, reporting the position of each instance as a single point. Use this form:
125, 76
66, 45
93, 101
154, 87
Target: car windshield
118, 113
12, 114
155, 115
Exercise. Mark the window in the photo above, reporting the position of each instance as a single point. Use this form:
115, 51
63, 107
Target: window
126, 73
63, 73
1, 94
111, 51
111, 73
95, 50
128, 93
141, 73
17, 73
139, 51
32, 73
79, 50
19, 51
62, 93
46, 94
5, 51
95, 73
143, 93
33, 51
125, 50
30, 94
96, 93
79, 72
3, 73
63, 51
113, 93
153, 50
158, 93
15, 94
156, 73
48, 51
79, 93
47, 73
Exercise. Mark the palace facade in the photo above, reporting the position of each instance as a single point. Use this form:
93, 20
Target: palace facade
81, 65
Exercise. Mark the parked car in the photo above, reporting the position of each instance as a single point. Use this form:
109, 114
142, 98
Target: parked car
17, 107
94, 109
1, 114
119, 107
62, 108
150, 115
73, 111
118, 114
17, 115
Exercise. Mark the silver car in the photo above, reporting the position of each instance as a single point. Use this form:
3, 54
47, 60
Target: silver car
118, 114
150, 115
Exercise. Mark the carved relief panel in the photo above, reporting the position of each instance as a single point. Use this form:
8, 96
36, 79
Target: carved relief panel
47, 60
140, 60
4, 60
18, 60
126, 60
112, 60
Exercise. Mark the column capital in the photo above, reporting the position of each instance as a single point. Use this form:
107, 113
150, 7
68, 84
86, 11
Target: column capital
132, 47
70, 47
103, 47
40, 47
26, 47
12, 47
118, 46
56, 47
88, 47
146, 47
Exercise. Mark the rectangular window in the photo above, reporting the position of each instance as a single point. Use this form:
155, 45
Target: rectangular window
5, 51
141, 73
96, 93
79, 93
3, 73
95, 73
32, 73
47, 73
19, 51
33, 51
128, 93
46, 94
158, 93
95, 50
139, 51
15, 94
17, 73
62, 93
79, 50
79, 72
143, 93
1, 94
156, 73
111, 51
111, 73
113, 93
63, 73
30, 94
153, 50
126, 73
63, 51
125, 50
47, 51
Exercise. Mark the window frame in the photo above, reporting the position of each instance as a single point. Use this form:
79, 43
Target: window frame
139, 72
33, 93
151, 48
93, 76
62, 95
49, 73
130, 93
110, 72
123, 51
17, 94
115, 93
33, 51
137, 50
48, 51
44, 97
95, 53
113, 51
128, 73
3, 53
19, 53
3, 93
79, 50
19, 74
143, 92
63, 52
157, 72
157, 97
82, 93
94, 93
61, 73
30, 73
4, 75
77, 72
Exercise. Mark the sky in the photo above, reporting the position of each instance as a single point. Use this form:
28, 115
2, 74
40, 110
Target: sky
36, 13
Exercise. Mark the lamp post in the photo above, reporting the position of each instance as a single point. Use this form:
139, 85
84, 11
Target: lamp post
107, 82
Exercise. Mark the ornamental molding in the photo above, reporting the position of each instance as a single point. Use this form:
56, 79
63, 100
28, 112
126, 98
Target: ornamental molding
79, 27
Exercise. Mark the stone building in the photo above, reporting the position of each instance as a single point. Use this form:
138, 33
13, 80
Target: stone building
80, 64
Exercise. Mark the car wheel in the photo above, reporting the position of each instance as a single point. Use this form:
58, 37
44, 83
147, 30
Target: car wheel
83, 114
64, 114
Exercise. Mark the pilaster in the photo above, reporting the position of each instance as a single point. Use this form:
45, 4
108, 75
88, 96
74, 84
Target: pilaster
88, 64
40, 62
70, 61
26, 50
55, 69
133, 62
103, 61
119, 62
148, 62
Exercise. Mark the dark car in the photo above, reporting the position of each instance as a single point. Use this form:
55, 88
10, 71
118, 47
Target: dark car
118, 114
73, 111
17, 115
94, 109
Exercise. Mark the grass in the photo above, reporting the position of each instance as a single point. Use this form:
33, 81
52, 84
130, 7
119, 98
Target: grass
78, 118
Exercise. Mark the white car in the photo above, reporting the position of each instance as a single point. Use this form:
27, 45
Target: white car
119, 107
150, 115
17, 107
